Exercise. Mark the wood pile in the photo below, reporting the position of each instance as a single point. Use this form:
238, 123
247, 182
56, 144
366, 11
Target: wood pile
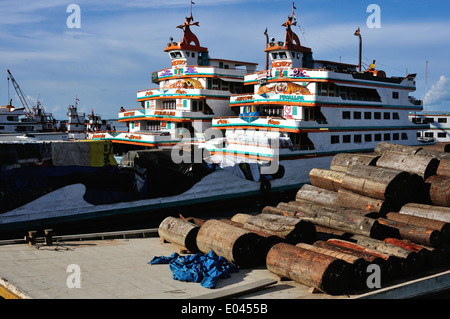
390, 209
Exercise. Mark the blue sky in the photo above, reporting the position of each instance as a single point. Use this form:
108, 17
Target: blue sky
112, 55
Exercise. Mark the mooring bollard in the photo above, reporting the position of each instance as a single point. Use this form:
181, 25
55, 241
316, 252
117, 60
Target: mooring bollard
48, 236
31, 238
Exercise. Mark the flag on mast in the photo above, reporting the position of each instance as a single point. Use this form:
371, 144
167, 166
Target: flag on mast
192, 2
293, 8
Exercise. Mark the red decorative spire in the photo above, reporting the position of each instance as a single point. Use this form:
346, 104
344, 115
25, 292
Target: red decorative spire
292, 42
189, 40
188, 36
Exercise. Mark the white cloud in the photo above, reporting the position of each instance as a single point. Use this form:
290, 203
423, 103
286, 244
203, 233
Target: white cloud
439, 94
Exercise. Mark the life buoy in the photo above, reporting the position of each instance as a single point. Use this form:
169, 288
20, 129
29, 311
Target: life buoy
265, 186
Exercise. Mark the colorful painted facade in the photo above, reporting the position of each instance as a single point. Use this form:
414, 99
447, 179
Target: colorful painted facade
192, 91
302, 111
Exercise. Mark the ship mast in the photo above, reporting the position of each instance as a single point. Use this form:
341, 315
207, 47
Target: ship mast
191, 9
358, 34
426, 86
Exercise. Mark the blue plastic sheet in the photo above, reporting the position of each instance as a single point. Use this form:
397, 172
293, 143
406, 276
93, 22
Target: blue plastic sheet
206, 269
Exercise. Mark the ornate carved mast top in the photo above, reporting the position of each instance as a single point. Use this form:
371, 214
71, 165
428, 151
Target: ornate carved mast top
189, 40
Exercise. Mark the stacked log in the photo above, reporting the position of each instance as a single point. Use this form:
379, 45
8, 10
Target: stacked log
179, 232
420, 165
317, 194
376, 259
341, 162
413, 263
416, 234
366, 209
438, 190
343, 198
391, 266
328, 274
341, 218
265, 240
386, 184
236, 244
378, 190
269, 239
384, 146
440, 147
427, 211
433, 153
326, 179
359, 264
376, 206
441, 226
293, 230
423, 252
443, 168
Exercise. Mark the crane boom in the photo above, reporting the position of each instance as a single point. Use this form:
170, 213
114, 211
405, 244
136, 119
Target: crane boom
19, 93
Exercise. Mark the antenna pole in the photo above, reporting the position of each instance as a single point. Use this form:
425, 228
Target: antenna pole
358, 34
426, 84
8, 88
191, 7
267, 53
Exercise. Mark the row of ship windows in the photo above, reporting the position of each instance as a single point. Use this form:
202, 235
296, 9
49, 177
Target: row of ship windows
346, 115
196, 106
378, 137
350, 93
431, 134
426, 120
284, 55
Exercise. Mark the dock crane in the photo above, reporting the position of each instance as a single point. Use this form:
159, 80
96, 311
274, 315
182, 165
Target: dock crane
20, 94
38, 113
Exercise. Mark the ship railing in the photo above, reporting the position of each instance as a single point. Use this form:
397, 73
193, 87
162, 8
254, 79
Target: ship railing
242, 70
425, 139
415, 101
354, 98
258, 116
306, 69
263, 144
347, 98
146, 133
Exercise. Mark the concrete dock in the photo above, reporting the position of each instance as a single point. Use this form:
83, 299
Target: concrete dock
115, 266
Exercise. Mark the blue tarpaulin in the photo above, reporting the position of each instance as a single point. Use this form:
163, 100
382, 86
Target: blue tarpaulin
206, 269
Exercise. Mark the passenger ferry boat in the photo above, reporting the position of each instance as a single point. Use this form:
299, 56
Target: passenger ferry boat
192, 91
439, 122
303, 111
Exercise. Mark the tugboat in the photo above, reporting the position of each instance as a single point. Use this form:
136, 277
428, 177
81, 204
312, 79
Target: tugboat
76, 124
95, 123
